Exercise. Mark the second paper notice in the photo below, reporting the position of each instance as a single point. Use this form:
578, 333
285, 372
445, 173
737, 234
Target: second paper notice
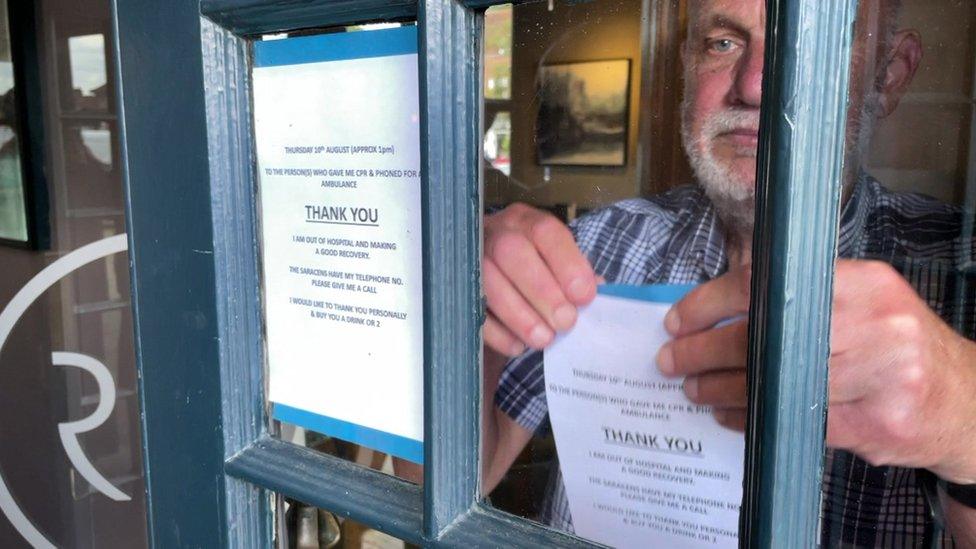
642, 465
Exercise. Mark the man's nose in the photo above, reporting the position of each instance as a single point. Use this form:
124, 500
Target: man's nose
747, 88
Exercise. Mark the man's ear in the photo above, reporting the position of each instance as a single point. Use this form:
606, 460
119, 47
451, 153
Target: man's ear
903, 60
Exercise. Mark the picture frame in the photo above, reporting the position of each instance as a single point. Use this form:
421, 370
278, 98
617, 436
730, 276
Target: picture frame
584, 113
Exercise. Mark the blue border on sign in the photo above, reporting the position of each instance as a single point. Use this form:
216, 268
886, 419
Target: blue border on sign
388, 443
335, 47
657, 293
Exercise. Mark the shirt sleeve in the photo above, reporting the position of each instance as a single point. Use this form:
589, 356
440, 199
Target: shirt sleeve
522, 392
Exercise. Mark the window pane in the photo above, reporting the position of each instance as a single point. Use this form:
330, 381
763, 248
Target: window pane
88, 76
498, 143
621, 431
82, 66
13, 204
89, 158
898, 323
91, 494
498, 52
337, 129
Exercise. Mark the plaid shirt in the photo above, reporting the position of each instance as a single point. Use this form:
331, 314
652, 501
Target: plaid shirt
676, 238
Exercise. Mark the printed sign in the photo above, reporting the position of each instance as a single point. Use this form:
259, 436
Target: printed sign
642, 465
337, 128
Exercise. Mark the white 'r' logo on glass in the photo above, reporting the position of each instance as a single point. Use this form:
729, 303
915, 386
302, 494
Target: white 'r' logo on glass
69, 430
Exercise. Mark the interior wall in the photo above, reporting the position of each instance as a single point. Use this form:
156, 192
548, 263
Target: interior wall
592, 31
924, 146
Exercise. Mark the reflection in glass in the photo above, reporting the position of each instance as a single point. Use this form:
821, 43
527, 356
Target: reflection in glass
98, 142
13, 214
498, 143
88, 75
88, 154
498, 52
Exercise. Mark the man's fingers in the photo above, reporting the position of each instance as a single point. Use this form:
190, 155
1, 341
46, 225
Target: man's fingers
722, 348
518, 259
726, 389
710, 303
559, 250
511, 309
501, 339
733, 418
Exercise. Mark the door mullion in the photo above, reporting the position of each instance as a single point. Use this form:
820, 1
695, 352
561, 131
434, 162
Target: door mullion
237, 281
798, 196
450, 59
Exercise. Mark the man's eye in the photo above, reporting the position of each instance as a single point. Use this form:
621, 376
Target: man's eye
721, 45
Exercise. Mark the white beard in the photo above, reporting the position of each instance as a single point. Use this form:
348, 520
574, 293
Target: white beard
733, 195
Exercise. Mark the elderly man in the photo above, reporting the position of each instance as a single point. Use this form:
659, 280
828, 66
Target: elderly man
902, 381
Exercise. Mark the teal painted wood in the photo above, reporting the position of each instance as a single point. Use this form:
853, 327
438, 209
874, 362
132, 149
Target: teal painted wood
450, 55
798, 196
249, 17
168, 206
379, 500
483, 4
233, 205
488, 528
366, 496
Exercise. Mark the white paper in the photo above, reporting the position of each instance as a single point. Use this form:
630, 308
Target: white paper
642, 465
339, 166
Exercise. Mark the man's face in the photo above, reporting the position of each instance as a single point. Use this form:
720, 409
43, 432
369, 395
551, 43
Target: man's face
723, 60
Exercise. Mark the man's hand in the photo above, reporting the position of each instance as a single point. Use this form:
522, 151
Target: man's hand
535, 277
901, 382
712, 358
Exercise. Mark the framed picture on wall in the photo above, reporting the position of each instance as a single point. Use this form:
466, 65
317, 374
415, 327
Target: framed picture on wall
583, 113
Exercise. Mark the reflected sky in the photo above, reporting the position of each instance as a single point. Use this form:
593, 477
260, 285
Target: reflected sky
6, 76
87, 54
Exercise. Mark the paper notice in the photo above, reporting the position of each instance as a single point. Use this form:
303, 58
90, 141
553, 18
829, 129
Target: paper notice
337, 133
642, 465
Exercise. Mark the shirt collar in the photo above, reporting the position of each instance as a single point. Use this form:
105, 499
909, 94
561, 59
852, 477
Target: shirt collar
708, 240
709, 237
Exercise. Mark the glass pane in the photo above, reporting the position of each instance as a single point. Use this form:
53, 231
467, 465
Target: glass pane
89, 159
498, 52
83, 68
619, 194
70, 355
337, 124
903, 307
498, 143
13, 204
88, 76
